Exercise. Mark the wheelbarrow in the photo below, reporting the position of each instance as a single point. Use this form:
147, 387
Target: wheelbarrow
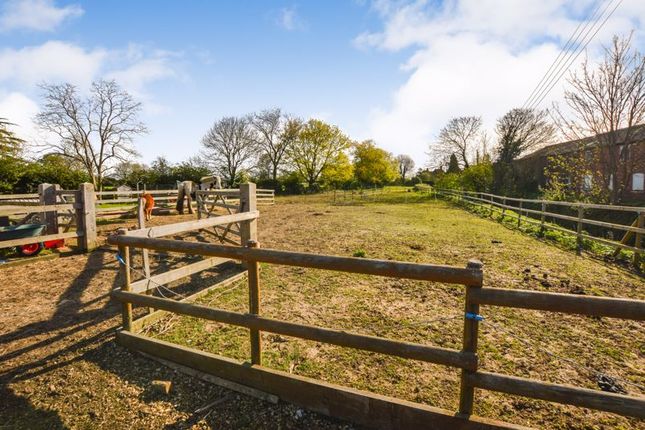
29, 230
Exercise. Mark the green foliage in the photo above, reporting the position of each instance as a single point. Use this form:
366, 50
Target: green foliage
449, 181
422, 188
339, 172
317, 146
373, 165
453, 165
10, 144
359, 253
572, 177
52, 169
478, 177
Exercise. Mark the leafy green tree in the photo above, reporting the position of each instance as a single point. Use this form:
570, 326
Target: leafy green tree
10, 144
11, 165
571, 177
478, 177
52, 169
318, 145
373, 165
339, 172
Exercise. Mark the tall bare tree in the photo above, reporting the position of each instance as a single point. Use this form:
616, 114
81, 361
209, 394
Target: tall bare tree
521, 130
230, 148
606, 101
460, 137
406, 164
97, 130
274, 133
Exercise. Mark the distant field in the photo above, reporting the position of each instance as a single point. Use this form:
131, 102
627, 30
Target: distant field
409, 226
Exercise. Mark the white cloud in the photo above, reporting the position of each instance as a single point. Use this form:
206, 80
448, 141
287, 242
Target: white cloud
39, 15
19, 109
473, 57
289, 19
53, 61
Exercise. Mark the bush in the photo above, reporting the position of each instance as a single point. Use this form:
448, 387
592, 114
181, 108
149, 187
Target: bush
422, 188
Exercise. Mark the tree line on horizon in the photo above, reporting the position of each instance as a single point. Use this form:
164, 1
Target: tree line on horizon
95, 135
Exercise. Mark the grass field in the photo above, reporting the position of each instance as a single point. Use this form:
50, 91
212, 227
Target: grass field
512, 342
60, 368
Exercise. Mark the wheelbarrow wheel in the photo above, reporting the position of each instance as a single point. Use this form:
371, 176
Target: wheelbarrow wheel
30, 249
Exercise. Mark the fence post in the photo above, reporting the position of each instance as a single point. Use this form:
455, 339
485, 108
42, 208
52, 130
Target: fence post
638, 243
542, 218
492, 201
519, 215
248, 203
471, 329
254, 303
86, 216
581, 214
503, 208
141, 221
47, 193
124, 260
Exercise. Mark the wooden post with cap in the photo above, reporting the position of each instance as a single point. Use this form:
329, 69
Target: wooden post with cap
471, 330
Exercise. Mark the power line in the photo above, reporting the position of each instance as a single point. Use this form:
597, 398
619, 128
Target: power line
546, 92
564, 62
573, 39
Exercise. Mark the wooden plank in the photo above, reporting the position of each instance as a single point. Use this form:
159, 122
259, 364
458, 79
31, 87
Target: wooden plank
390, 268
39, 239
568, 303
181, 227
175, 274
361, 407
149, 319
593, 399
35, 209
135, 192
415, 351
18, 196
243, 389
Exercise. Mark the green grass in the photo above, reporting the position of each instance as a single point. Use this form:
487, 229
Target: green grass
429, 231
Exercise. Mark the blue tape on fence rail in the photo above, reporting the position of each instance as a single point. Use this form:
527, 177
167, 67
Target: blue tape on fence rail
473, 316
118, 257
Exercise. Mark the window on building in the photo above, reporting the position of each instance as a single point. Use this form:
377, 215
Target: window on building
638, 182
588, 183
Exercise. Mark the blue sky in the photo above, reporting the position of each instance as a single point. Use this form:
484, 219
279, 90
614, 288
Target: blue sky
394, 71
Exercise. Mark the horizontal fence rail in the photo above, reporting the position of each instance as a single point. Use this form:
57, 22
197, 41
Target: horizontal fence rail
414, 351
520, 212
395, 269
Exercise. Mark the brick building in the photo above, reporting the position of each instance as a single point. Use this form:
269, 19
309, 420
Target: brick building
616, 165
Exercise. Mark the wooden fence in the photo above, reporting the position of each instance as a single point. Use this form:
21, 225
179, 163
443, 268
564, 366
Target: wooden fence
66, 214
359, 406
536, 212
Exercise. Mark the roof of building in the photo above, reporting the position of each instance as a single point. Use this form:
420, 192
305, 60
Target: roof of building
638, 134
